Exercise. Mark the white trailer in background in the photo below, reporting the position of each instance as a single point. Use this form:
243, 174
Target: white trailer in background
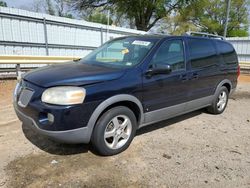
28, 33
35, 34
242, 47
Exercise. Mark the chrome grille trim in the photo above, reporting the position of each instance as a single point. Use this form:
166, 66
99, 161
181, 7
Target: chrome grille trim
25, 97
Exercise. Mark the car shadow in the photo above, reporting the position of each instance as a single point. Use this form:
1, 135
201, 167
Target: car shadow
53, 147
168, 122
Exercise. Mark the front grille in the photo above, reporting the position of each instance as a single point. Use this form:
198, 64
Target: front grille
25, 97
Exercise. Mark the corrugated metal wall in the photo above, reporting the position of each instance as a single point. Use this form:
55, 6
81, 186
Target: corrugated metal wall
29, 33
242, 47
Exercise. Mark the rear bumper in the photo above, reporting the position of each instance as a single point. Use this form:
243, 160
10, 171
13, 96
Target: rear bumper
80, 135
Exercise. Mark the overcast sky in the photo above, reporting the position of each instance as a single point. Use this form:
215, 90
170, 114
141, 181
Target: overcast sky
17, 3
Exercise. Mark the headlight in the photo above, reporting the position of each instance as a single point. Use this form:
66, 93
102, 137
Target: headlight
64, 95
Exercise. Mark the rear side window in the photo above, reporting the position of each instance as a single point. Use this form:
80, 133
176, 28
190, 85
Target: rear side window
202, 53
227, 52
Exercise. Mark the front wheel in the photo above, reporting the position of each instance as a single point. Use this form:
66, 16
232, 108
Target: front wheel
114, 131
220, 101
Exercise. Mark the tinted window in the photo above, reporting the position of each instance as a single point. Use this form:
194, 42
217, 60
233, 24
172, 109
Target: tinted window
227, 52
202, 52
170, 52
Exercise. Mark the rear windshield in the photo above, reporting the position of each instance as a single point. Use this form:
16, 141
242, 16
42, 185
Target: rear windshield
227, 52
121, 53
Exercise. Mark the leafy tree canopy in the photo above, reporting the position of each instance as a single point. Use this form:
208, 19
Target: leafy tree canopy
210, 16
3, 4
144, 13
99, 18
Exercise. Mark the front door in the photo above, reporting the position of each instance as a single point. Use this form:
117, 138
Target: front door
165, 94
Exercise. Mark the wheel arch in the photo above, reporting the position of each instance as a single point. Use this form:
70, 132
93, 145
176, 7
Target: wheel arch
227, 83
117, 100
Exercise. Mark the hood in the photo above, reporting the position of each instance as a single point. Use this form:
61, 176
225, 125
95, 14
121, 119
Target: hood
74, 74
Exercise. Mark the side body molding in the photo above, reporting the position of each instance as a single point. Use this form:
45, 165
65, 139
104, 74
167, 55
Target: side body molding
107, 103
152, 117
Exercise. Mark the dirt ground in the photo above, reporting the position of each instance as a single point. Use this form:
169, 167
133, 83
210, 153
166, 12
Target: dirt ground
244, 78
194, 150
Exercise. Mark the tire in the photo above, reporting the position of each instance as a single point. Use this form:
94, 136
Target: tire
114, 131
221, 95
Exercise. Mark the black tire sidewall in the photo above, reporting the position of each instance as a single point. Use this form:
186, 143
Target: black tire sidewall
216, 111
99, 129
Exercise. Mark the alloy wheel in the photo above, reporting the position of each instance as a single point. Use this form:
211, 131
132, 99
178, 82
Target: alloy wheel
222, 100
118, 132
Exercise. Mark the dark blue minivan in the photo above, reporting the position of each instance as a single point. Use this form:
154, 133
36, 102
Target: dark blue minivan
125, 84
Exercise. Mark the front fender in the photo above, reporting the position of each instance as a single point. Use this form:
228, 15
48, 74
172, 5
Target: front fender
112, 100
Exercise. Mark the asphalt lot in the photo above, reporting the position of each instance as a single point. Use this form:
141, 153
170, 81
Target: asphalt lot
194, 150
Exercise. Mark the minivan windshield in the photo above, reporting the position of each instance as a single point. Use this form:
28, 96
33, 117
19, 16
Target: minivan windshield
120, 53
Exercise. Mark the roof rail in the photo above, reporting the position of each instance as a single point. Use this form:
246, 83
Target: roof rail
194, 33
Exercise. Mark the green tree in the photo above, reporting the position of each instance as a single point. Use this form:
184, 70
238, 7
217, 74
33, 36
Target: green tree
49, 7
53, 7
99, 18
3, 4
210, 16
61, 8
176, 24
144, 13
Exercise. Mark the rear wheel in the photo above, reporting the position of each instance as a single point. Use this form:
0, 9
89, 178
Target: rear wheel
220, 101
114, 131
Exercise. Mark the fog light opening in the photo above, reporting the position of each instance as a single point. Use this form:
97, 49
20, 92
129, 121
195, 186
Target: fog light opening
50, 117
46, 118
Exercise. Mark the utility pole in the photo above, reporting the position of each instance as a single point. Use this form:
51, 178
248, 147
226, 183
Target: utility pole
107, 33
227, 17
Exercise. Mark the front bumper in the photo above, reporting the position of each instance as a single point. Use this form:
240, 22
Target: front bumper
74, 136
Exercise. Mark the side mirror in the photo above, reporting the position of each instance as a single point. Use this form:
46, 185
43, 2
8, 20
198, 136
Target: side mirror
159, 69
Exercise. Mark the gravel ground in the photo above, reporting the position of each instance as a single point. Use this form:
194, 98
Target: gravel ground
194, 150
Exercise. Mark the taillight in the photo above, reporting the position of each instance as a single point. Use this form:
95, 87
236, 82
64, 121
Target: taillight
238, 71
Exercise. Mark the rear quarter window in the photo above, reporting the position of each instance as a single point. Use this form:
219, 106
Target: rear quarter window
227, 53
202, 53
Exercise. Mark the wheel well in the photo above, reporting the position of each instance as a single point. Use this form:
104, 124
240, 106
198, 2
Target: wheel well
227, 85
131, 105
